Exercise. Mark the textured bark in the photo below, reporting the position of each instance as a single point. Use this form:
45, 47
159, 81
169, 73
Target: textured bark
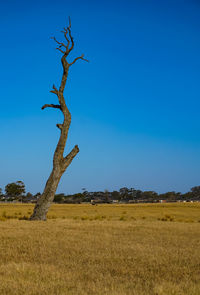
60, 162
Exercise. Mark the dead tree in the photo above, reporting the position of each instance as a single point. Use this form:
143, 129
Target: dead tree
60, 162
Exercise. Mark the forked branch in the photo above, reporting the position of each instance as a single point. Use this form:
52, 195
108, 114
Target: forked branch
77, 58
65, 49
55, 90
61, 44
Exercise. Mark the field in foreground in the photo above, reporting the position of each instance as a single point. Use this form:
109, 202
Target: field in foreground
103, 250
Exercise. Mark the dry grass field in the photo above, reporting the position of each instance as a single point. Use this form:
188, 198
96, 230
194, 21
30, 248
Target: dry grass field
103, 250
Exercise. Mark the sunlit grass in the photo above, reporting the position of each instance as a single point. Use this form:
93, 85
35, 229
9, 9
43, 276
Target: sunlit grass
179, 212
102, 250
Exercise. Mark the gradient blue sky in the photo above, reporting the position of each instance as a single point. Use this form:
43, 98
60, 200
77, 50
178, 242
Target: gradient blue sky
135, 106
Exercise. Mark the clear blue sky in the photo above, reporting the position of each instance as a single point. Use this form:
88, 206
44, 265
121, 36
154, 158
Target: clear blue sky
135, 106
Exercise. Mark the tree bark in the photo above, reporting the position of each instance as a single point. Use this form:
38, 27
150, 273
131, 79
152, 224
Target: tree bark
60, 163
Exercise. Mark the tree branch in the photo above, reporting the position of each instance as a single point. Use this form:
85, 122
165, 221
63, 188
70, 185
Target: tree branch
60, 50
68, 159
55, 90
68, 48
77, 58
60, 43
55, 106
72, 41
60, 126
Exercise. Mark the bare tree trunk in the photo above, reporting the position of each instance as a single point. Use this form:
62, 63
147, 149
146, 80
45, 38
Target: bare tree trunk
60, 162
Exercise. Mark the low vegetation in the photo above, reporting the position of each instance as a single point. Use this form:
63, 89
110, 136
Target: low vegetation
15, 192
149, 249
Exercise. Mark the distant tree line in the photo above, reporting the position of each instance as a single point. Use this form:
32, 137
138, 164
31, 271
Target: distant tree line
15, 192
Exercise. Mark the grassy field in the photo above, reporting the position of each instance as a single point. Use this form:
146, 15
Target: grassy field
105, 249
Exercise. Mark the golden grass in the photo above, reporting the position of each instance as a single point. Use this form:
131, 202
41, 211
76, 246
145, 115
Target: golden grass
179, 212
77, 251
